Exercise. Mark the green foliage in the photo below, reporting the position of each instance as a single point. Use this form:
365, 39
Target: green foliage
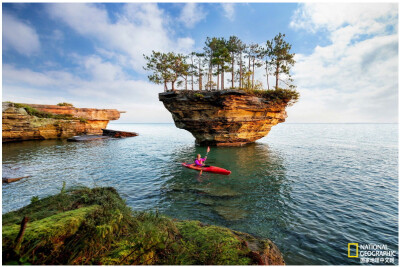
63, 188
279, 59
220, 56
65, 104
34, 199
166, 67
278, 96
94, 226
198, 95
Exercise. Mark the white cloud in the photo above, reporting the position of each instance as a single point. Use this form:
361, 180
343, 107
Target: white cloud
229, 10
191, 14
19, 36
105, 85
354, 78
137, 30
101, 80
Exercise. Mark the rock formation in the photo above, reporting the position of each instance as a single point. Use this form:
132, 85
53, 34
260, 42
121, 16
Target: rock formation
95, 226
223, 118
18, 125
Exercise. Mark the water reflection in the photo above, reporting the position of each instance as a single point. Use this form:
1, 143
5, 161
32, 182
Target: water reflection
257, 189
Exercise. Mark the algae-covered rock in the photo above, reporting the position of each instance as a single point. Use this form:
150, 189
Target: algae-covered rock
94, 226
217, 191
231, 213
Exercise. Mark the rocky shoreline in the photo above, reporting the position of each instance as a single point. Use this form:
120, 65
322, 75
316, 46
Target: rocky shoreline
94, 226
62, 122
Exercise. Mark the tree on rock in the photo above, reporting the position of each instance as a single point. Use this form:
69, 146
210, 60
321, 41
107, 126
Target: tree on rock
158, 64
166, 67
234, 45
280, 59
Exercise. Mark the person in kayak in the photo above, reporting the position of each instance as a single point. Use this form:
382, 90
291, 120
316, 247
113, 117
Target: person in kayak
200, 161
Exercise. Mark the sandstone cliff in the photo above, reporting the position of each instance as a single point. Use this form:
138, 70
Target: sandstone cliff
18, 125
223, 118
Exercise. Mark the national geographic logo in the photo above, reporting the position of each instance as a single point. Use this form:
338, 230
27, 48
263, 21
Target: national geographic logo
352, 250
371, 253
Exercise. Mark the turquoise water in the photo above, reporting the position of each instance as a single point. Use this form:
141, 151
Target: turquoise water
311, 188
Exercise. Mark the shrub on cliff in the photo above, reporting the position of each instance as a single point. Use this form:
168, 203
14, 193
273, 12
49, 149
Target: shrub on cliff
41, 114
278, 96
94, 226
65, 104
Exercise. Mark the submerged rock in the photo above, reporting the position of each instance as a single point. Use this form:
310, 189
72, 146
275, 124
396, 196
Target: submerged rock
94, 226
231, 213
217, 191
223, 118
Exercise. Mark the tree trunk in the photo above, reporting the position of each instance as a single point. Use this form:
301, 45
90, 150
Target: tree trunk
252, 77
222, 80
165, 86
277, 75
240, 72
218, 77
192, 67
266, 70
248, 78
200, 76
185, 82
173, 86
233, 70
209, 76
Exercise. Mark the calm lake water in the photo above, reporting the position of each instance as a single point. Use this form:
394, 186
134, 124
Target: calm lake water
311, 188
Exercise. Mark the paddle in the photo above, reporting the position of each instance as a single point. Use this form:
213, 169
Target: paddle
208, 150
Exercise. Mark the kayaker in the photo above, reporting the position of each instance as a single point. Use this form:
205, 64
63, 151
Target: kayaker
200, 161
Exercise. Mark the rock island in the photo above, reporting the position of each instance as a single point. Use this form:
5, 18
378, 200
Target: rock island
223, 118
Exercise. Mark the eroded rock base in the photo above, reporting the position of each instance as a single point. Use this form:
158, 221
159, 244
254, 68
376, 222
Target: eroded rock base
223, 118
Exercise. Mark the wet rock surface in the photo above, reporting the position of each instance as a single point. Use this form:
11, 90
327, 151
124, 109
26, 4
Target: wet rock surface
118, 134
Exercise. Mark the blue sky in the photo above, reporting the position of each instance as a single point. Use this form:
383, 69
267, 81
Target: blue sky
91, 54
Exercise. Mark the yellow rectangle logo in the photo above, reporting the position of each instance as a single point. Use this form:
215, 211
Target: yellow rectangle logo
349, 250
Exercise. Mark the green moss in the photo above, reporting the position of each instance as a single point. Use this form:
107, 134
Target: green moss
53, 227
95, 226
210, 245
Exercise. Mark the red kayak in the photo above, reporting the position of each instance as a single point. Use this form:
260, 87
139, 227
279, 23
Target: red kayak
212, 169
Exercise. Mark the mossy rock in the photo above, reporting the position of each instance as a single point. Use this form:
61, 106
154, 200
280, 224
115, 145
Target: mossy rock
94, 226
49, 232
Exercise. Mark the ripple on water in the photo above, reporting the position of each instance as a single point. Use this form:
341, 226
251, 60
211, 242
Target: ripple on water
311, 188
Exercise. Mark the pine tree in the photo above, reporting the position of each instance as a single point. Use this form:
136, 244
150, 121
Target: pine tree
280, 59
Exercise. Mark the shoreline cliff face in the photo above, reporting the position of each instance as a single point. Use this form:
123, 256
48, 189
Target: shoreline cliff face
18, 125
223, 118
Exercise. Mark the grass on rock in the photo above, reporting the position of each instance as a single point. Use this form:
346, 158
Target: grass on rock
95, 226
